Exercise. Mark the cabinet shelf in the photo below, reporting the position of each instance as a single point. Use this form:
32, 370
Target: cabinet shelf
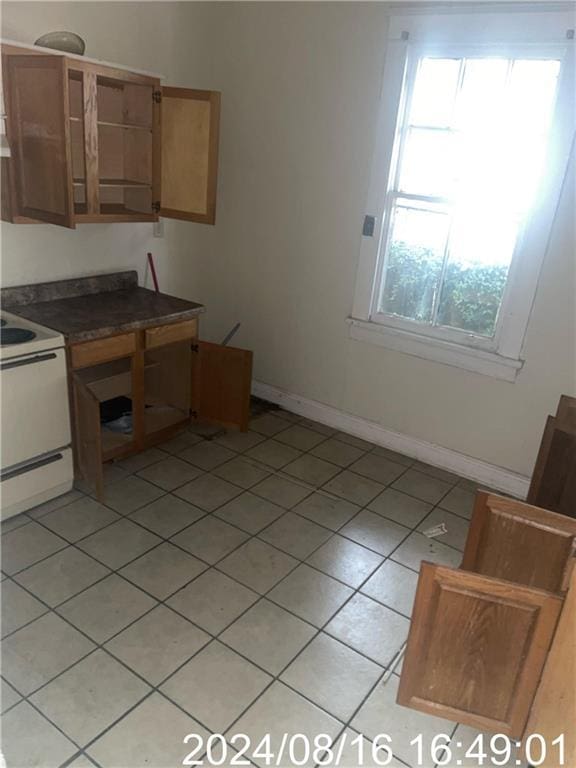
115, 443
111, 124
111, 212
159, 417
125, 126
115, 183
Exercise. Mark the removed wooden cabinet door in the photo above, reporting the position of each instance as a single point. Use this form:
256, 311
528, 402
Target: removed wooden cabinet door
476, 649
480, 635
524, 544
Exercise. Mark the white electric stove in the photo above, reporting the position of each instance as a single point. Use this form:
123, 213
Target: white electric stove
35, 451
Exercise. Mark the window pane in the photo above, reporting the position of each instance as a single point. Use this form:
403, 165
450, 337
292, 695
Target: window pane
531, 94
482, 94
483, 149
434, 92
501, 145
530, 102
477, 269
428, 165
414, 263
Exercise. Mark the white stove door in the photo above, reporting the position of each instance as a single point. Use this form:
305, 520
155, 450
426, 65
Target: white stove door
35, 412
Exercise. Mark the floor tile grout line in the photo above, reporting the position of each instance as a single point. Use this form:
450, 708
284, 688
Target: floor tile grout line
164, 602
126, 515
187, 552
318, 489
279, 470
116, 570
332, 533
319, 631
102, 646
278, 679
244, 452
45, 717
165, 492
156, 688
375, 446
249, 660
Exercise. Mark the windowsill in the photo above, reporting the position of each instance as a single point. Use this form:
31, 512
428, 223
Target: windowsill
438, 350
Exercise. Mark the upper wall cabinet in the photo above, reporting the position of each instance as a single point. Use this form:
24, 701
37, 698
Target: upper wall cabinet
93, 143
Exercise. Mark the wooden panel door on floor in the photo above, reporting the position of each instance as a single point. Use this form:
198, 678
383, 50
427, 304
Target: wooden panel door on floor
39, 128
190, 130
221, 382
476, 648
521, 543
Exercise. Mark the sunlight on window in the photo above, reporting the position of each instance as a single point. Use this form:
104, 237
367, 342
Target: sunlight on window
470, 159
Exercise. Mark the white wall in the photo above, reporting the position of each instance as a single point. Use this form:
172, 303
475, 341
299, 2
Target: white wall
151, 36
300, 84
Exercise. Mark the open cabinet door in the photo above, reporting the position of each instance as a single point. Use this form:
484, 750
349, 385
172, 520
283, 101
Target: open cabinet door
88, 443
39, 128
476, 648
190, 129
221, 382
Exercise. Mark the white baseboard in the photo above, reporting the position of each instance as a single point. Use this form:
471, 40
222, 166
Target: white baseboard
452, 461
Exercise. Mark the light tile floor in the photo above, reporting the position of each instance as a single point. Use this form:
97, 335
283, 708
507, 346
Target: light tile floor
230, 583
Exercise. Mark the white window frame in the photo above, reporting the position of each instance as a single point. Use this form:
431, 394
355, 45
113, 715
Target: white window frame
538, 35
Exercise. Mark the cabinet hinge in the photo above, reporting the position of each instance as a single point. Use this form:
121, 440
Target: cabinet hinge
157, 97
156, 206
194, 347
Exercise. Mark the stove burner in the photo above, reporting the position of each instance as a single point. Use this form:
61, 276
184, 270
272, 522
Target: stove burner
15, 335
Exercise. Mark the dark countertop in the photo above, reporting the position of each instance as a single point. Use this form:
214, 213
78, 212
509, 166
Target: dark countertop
120, 306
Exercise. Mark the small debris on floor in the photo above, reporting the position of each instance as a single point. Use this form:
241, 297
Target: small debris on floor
435, 531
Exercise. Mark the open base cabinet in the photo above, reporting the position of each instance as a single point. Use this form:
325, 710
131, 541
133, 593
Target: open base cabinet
136, 390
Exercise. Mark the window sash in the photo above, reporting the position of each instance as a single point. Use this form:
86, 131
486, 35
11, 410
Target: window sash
414, 53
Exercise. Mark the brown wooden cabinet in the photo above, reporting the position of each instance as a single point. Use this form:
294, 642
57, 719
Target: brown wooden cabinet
480, 635
168, 379
94, 143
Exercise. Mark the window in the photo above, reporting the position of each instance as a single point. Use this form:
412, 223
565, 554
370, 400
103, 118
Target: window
474, 158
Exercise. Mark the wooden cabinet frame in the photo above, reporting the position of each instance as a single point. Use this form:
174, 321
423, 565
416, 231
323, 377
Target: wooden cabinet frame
183, 168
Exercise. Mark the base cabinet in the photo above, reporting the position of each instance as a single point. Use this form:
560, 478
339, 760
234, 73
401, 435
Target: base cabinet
135, 390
